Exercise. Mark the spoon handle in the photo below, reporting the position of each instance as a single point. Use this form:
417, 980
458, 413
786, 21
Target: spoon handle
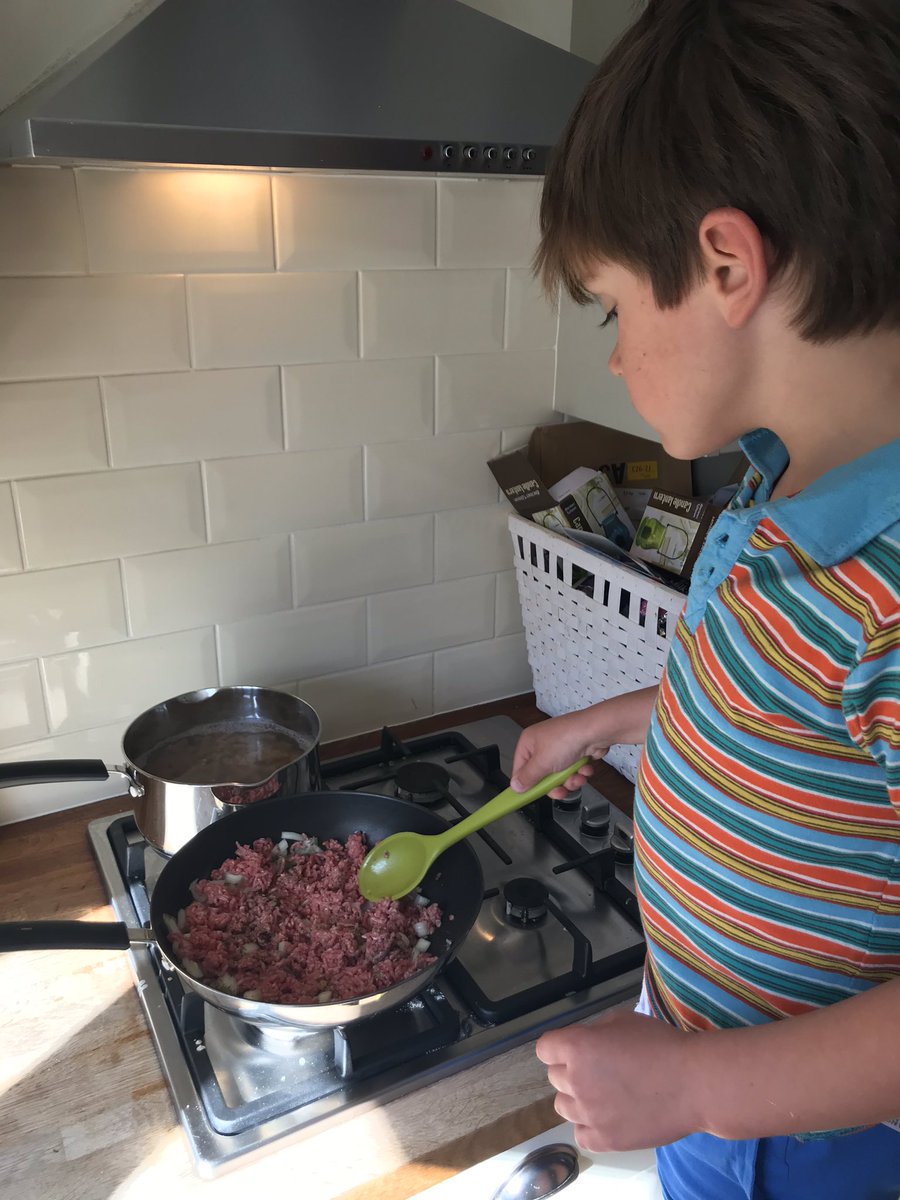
502, 805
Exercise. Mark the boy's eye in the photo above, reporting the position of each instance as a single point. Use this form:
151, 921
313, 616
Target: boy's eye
610, 316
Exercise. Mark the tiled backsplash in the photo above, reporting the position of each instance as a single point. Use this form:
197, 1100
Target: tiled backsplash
244, 419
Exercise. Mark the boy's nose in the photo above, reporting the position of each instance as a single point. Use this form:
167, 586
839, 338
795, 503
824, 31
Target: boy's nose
615, 362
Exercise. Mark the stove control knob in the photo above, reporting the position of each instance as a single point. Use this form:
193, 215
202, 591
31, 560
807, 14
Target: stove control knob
571, 801
622, 842
595, 817
526, 901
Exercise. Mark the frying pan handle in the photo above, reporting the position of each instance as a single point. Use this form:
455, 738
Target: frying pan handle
59, 770
67, 935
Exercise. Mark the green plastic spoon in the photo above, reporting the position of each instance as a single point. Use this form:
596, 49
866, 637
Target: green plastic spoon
398, 864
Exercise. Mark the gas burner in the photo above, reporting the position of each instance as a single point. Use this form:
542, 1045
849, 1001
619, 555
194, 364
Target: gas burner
422, 782
526, 901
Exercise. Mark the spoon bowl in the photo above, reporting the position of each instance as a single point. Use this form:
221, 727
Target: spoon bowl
397, 865
543, 1172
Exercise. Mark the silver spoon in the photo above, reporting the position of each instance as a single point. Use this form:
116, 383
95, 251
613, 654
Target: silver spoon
543, 1172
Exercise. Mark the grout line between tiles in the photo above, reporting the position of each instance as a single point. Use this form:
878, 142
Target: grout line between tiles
82, 225
45, 699
359, 314
275, 266
437, 223
17, 517
188, 322
506, 289
104, 419
129, 628
204, 495
284, 413
217, 645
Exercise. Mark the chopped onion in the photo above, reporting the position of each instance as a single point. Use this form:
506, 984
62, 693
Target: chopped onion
280, 848
170, 923
196, 893
182, 921
233, 880
422, 901
228, 984
324, 997
253, 994
282, 947
192, 968
293, 837
250, 948
421, 946
421, 929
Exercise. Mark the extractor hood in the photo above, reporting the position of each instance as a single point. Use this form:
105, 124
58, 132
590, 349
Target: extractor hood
378, 85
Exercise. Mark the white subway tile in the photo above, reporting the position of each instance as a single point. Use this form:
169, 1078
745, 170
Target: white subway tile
426, 618
42, 612
277, 493
357, 701
304, 642
487, 391
255, 320
509, 610
531, 320
22, 717
35, 800
10, 556
150, 222
471, 541
329, 223
184, 589
487, 222
51, 428
91, 325
358, 403
187, 415
81, 518
483, 671
40, 231
357, 560
516, 438
408, 313
429, 475
117, 682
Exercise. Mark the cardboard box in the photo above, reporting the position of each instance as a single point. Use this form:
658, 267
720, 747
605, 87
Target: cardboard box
672, 531
634, 466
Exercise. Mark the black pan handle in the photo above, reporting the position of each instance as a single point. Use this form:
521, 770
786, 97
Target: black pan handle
64, 935
59, 770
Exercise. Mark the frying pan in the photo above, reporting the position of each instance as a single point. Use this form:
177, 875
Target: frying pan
455, 882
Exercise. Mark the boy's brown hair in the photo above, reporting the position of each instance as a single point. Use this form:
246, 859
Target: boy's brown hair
788, 110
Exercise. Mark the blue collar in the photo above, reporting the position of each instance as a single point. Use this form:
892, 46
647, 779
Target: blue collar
842, 510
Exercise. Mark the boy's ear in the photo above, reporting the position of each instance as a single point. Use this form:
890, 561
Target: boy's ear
735, 268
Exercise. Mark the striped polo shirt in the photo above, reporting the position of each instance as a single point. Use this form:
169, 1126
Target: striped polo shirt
767, 829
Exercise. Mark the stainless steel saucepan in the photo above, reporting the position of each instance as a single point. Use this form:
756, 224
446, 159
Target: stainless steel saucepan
197, 757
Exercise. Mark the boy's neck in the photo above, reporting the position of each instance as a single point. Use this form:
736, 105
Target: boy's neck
831, 404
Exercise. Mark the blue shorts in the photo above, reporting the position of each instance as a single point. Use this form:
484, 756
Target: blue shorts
855, 1166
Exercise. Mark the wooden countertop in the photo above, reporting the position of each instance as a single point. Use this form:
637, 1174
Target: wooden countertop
85, 1112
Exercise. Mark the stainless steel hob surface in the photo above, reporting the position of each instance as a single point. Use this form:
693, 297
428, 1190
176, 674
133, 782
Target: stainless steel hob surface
557, 939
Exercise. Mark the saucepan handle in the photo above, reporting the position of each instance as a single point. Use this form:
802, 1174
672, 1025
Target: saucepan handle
52, 770
69, 935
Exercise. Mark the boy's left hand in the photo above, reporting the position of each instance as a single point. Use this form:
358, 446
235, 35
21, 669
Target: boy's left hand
622, 1081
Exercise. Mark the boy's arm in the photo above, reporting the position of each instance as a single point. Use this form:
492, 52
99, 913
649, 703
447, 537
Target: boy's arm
629, 1081
551, 745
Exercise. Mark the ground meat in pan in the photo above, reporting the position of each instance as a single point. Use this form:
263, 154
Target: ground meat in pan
285, 923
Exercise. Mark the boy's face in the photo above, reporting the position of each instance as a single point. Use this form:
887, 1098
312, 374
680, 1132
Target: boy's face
685, 371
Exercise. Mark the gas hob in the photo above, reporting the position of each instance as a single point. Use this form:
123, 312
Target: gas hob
556, 940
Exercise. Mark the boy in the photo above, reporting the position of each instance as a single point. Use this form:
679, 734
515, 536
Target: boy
729, 188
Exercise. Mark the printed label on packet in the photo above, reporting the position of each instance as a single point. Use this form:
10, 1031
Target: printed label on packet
642, 470
893, 1124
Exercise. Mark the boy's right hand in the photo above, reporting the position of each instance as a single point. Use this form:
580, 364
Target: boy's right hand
551, 746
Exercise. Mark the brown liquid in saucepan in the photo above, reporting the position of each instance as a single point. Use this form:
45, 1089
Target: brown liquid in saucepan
217, 754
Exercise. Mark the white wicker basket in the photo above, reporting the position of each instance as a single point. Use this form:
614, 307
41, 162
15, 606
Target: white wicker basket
608, 636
